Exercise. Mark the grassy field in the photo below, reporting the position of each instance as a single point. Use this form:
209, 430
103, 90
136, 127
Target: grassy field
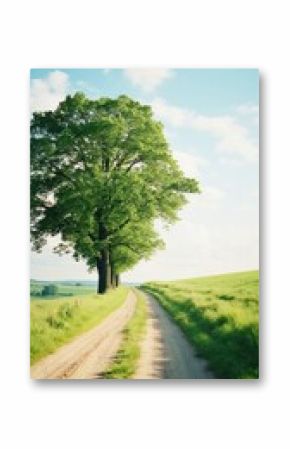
128, 355
63, 289
54, 322
220, 316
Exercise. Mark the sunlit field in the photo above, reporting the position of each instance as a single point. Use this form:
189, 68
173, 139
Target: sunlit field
219, 315
64, 289
54, 322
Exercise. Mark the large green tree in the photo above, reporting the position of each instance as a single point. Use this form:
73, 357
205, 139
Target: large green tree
101, 174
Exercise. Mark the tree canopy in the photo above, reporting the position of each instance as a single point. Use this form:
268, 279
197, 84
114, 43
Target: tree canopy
101, 174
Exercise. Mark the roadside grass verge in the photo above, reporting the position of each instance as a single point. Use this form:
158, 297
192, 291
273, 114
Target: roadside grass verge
54, 322
220, 317
125, 363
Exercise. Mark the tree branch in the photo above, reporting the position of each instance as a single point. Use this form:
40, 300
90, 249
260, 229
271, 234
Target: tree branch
134, 162
118, 228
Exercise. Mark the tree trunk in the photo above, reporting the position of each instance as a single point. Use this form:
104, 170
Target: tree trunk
104, 271
117, 280
103, 263
113, 278
113, 275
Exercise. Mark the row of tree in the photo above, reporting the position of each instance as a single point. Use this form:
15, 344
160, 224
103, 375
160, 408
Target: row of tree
101, 174
46, 290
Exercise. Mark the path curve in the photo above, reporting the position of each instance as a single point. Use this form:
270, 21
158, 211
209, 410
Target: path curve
165, 351
88, 355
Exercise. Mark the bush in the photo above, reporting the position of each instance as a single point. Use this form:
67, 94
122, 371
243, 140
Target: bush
49, 290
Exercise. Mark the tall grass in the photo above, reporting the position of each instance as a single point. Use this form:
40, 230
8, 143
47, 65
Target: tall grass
219, 315
125, 363
56, 321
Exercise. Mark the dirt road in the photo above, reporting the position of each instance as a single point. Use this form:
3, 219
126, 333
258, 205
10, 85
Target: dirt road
165, 352
87, 356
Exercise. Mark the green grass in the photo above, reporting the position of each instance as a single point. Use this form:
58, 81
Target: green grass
62, 290
125, 363
54, 322
220, 316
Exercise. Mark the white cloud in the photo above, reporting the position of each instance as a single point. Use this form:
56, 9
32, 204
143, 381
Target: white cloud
250, 112
175, 116
202, 243
147, 79
193, 166
232, 137
210, 195
189, 163
46, 93
248, 109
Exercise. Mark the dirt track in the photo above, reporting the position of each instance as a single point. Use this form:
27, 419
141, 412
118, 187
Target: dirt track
165, 351
87, 356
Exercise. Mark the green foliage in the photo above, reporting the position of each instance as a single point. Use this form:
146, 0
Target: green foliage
134, 242
220, 316
49, 290
101, 173
55, 322
63, 290
125, 363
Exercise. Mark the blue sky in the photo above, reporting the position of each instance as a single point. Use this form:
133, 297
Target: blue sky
211, 119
